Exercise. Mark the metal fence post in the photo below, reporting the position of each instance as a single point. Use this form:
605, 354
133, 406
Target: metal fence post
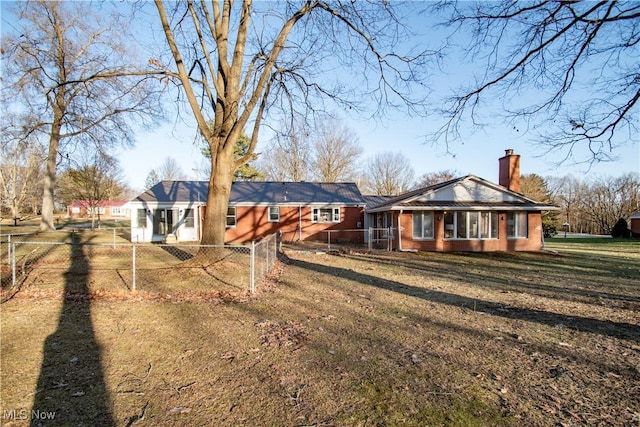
9, 250
13, 265
252, 285
133, 269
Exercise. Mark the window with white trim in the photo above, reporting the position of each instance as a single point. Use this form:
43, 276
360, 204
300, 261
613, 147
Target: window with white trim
470, 225
231, 216
188, 218
142, 218
274, 213
325, 215
517, 225
423, 225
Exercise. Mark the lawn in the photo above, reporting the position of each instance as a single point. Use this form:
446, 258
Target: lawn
343, 339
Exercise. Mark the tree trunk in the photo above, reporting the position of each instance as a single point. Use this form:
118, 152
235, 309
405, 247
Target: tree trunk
215, 219
46, 219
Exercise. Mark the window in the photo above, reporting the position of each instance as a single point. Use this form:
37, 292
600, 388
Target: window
188, 218
231, 216
325, 215
517, 225
75, 209
142, 218
274, 214
470, 225
449, 225
116, 211
488, 225
423, 225
98, 210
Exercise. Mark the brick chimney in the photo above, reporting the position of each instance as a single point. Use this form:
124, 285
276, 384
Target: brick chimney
510, 171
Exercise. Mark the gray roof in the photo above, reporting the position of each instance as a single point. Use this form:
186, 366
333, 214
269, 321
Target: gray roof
258, 192
407, 200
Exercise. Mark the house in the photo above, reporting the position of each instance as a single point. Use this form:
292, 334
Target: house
634, 224
174, 210
465, 214
105, 209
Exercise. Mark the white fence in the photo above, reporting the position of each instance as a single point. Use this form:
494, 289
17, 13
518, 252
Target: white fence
78, 263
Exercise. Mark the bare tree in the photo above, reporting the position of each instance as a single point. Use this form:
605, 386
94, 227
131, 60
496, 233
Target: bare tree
567, 69
569, 193
63, 72
432, 178
96, 180
288, 158
170, 170
610, 199
20, 173
336, 153
241, 64
152, 179
388, 174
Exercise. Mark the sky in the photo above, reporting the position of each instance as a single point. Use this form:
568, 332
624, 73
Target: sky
474, 153
478, 155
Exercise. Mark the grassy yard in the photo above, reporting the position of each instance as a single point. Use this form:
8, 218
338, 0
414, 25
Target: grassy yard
346, 339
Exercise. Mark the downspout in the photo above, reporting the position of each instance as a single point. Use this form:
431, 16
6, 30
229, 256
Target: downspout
399, 232
300, 223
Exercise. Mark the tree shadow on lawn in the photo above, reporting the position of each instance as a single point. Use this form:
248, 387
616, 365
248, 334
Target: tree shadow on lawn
625, 331
71, 389
507, 276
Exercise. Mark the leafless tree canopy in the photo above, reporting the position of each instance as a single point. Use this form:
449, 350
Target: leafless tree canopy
245, 64
594, 206
388, 174
336, 153
65, 81
567, 69
288, 157
432, 178
94, 180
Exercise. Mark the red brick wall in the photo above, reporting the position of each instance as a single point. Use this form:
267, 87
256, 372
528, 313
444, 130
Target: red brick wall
438, 244
252, 223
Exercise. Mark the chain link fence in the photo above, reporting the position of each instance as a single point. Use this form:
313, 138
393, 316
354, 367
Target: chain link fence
94, 262
371, 238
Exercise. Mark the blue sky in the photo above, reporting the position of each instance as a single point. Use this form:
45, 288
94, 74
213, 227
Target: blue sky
474, 153
478, 155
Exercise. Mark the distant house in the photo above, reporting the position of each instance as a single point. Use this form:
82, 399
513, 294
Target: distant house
465, 214
107, 209
634, 224
174, 210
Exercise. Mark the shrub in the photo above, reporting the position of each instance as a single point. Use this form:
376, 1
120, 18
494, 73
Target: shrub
620, 229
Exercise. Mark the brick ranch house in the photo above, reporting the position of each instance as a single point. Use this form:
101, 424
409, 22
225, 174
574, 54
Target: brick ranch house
107, 209
174, 210
463, 214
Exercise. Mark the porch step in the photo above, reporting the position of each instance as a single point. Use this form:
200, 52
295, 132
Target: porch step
170, 238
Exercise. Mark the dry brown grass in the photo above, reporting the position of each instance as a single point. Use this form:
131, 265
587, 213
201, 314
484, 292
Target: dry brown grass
346, 339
